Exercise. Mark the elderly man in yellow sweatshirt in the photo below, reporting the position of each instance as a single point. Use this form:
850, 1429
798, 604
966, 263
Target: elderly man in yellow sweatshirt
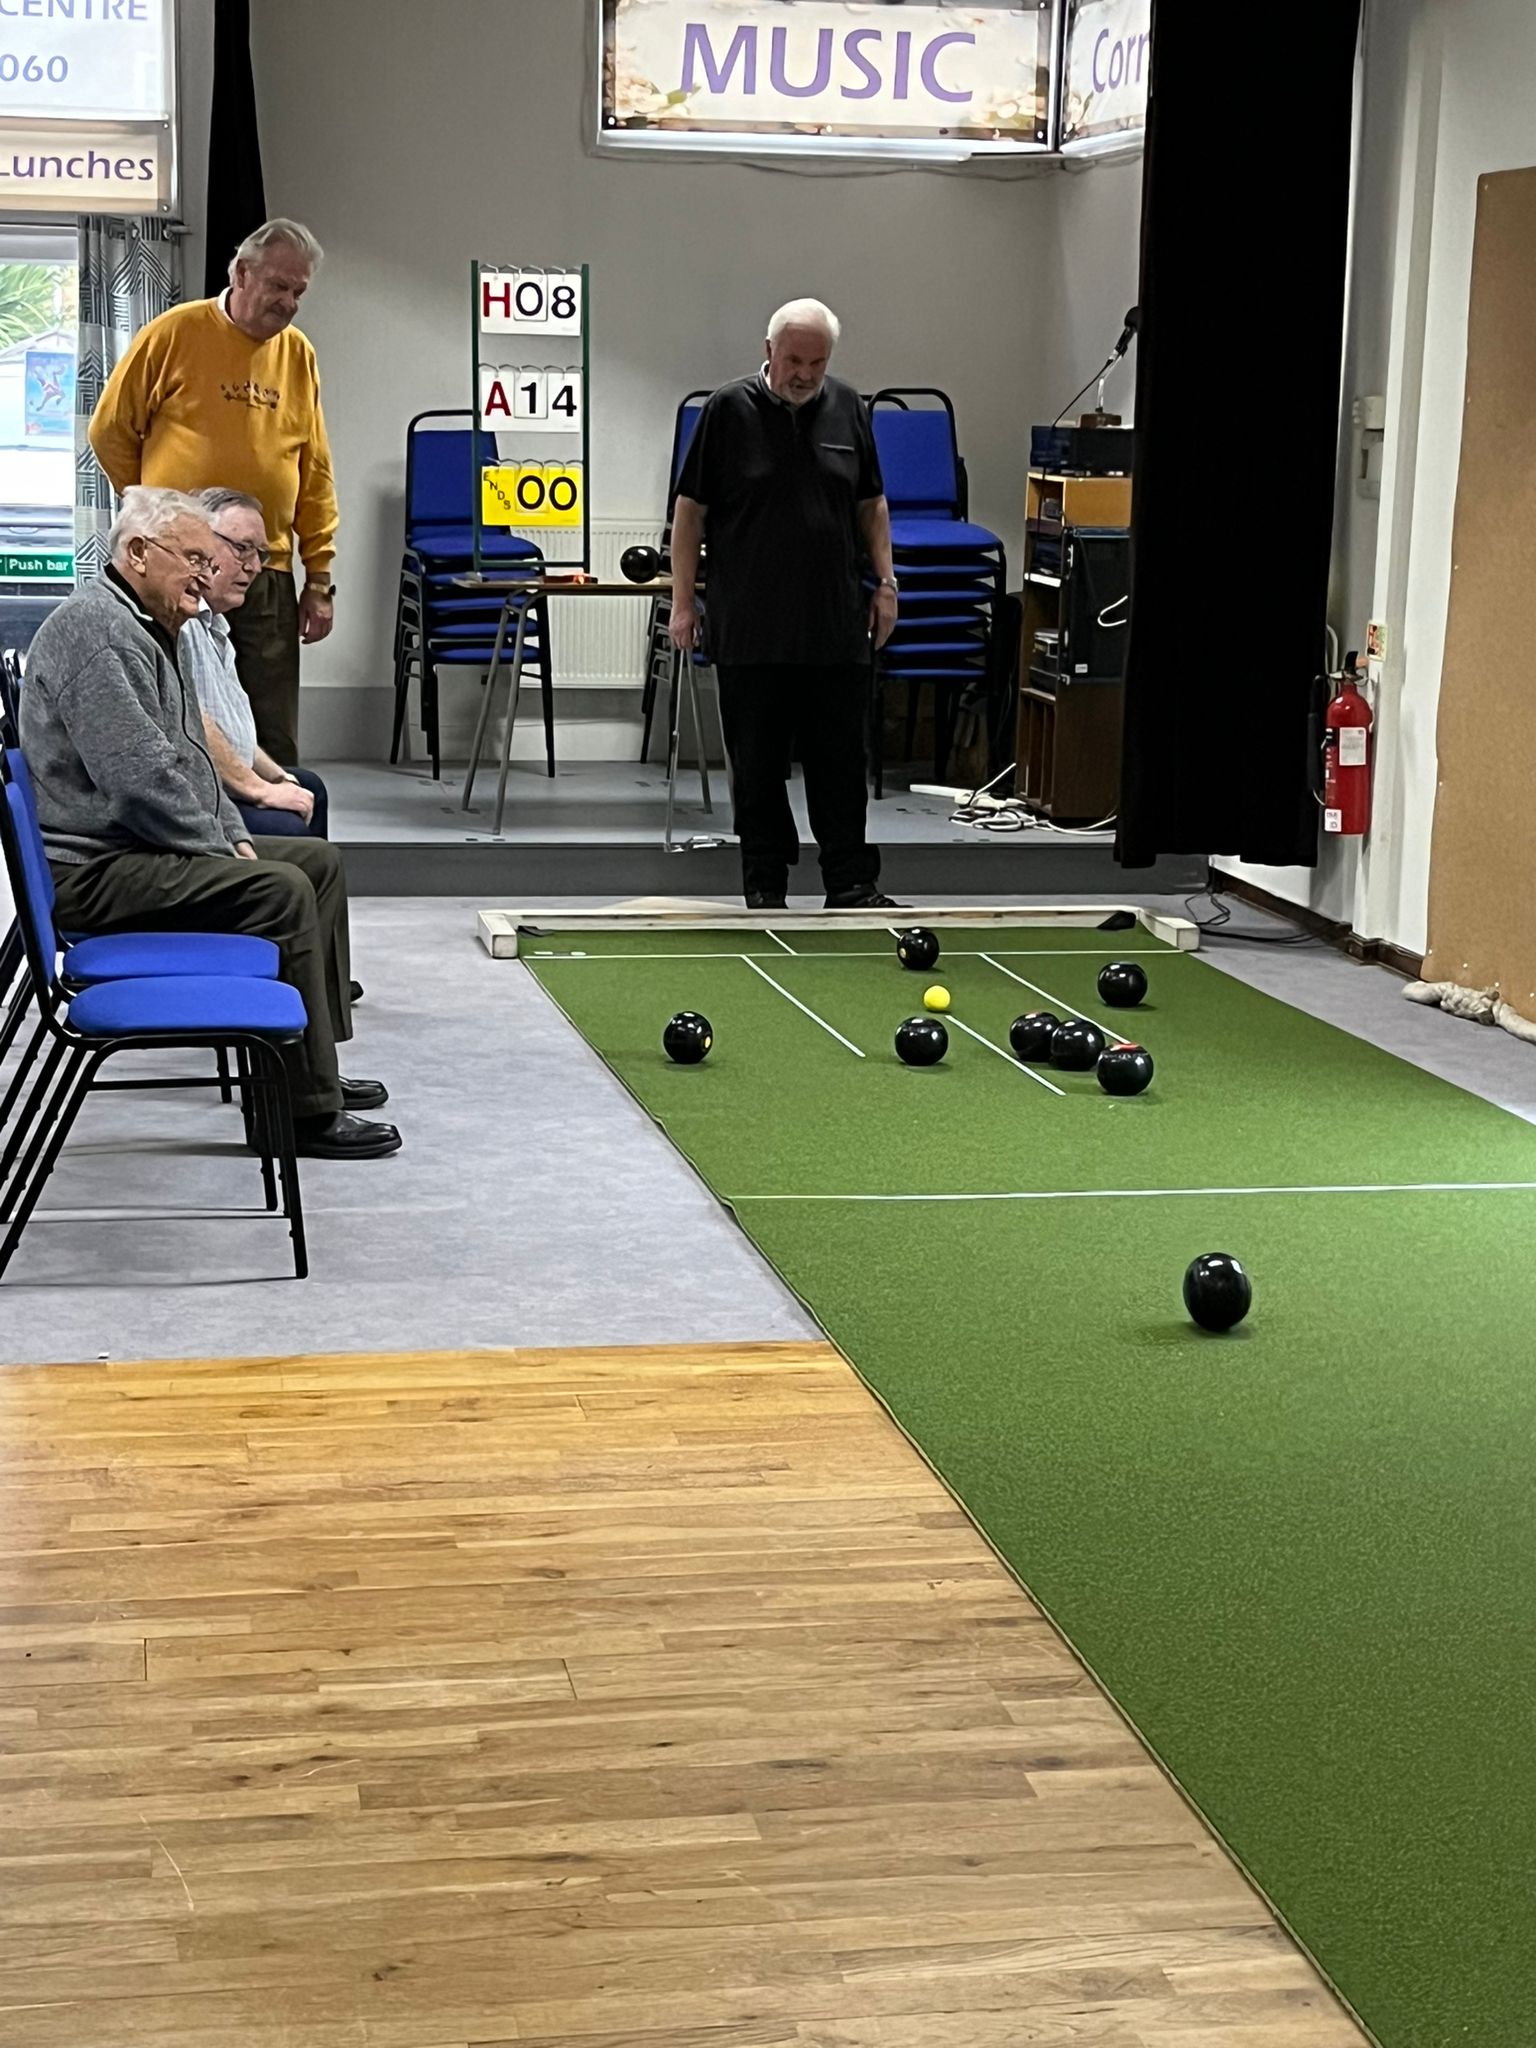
227, 391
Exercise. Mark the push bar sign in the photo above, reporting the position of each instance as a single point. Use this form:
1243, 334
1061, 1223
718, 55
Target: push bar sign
802, 71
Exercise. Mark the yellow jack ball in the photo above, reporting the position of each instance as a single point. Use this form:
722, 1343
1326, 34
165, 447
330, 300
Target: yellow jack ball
936, 998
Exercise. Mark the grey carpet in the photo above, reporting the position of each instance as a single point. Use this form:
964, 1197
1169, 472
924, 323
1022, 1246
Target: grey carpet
533, 1202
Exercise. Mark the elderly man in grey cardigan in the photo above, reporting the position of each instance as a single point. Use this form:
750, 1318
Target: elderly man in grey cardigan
139, 832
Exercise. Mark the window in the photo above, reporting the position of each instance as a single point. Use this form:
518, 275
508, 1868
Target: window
39, 306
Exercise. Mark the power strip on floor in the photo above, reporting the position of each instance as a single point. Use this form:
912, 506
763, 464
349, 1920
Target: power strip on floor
973, 800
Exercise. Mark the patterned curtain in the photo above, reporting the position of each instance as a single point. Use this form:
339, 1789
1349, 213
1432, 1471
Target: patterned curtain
130, 271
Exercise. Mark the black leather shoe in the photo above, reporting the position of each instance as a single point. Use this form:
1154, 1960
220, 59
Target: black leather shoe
363, 1094
343, 1136
354, 991
756, 900
866, 899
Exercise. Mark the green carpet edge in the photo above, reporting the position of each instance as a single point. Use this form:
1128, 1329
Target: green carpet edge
1063, 1634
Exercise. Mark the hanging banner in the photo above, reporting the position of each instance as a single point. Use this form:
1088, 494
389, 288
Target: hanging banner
1108, 60
87, 106
799, 72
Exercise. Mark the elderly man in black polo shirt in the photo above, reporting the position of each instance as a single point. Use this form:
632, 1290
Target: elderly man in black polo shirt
783, 475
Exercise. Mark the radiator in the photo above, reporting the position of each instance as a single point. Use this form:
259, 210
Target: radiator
599, 642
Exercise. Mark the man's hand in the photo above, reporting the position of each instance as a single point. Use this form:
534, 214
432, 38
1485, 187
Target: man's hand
317, 615
683, 628
882, 615
244, 850
287, 796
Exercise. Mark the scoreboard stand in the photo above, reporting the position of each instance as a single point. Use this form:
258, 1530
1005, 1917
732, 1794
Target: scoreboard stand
532, 366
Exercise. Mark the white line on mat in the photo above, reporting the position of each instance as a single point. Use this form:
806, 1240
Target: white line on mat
748, 961
1017, 1065
1035, 989
1404, 1187
781, 942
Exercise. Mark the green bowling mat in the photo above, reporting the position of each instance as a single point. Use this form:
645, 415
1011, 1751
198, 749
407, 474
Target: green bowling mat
1302, 1557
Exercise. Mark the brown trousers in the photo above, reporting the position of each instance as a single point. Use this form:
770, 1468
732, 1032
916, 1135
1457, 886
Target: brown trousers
294, 893
265, 632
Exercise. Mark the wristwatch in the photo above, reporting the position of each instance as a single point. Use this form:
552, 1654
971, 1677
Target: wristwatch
322, 589
888, 583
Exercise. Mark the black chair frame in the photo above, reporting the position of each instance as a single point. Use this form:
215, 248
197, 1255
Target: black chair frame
69, 1075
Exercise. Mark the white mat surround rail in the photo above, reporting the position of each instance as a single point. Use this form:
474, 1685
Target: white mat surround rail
499, 930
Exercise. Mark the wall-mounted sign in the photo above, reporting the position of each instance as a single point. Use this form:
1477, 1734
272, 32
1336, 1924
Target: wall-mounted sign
38, 565
87, 106
48, 394
1108, 59
799, 74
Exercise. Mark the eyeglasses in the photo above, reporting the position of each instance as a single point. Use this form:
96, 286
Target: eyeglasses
199, 563
246, 550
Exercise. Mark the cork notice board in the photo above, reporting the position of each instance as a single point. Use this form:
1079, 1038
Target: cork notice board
1482, 880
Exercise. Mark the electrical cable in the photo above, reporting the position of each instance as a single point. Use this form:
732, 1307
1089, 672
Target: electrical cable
1109, 363
1015, 816
1215, 927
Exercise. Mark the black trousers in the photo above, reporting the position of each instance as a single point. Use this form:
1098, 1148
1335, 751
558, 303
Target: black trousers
265, 633
288, 824
771, 712
294, 893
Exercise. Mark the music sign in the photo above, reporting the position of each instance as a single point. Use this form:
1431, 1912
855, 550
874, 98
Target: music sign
793, 73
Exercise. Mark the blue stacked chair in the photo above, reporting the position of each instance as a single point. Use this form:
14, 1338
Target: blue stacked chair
951, 571
87, 1016
660, 668
438, 624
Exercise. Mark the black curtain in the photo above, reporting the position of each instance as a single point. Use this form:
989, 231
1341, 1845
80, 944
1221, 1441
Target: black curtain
1245, 217
237, 202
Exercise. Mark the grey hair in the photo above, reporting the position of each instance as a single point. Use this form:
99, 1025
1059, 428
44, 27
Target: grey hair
277, 234
806, 313
224, 498
147, 512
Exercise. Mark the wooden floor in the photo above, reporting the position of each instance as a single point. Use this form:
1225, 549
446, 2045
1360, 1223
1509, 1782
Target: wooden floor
641, 1697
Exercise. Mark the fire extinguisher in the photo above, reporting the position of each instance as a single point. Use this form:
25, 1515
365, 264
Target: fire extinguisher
1347, 757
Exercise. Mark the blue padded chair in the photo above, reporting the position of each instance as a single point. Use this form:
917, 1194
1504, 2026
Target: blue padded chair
952, 572
442, 474
250, 1018
114, 956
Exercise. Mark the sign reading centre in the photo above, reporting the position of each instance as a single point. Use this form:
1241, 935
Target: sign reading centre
801, 71
87, 105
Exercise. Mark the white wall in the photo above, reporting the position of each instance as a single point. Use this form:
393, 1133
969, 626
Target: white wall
1470, 72
1088, 264
414, 138
1449, 94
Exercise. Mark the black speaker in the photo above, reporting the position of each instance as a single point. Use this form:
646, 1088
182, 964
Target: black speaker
1096, 614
